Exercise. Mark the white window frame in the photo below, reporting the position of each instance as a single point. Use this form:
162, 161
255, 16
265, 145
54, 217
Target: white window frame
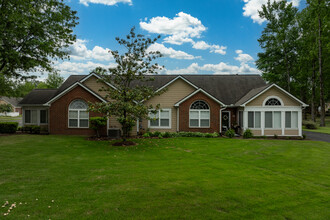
199, 118
78, 118
254, 120
273, 106
159, 118
291, 128
273, 115
30, 123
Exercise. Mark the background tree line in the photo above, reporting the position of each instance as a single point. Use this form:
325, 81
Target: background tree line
296, 51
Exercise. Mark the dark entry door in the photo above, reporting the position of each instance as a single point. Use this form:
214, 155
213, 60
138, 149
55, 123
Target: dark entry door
225, 120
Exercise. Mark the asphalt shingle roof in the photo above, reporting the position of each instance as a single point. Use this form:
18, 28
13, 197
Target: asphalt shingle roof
12, 100
229, 89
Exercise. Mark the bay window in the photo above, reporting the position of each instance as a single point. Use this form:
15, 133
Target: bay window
160, 119
199, 115
78, 114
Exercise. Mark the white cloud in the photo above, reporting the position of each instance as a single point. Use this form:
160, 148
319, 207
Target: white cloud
180, 29
79, 51
202, 45
104, 2
220, 68
251, 8
243, 57
170, 52
73, 68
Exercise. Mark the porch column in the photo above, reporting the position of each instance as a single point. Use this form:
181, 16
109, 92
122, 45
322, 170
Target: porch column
245, 119
283, 122
300, 122
262, 121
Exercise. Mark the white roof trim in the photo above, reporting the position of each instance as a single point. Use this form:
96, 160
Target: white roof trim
193, 93
70, 88
99, 77
269, 87
173, 80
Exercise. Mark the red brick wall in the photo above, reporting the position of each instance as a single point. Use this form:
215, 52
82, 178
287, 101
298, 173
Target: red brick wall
214, 114
58, 113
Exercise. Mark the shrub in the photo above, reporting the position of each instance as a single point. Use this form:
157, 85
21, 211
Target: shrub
155, 134
247, 134
230, 133
275, 136
146, 135
211, 135
8, 127
167, 134
97, 123
310, 125
160, 135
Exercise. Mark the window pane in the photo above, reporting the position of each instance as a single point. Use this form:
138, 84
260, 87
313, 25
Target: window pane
277, 120
27, 116
73, 114
257, 123
73, 122
250, 119
165, 114
194, 122
240, 118
43, 116
294, 119
194, 115
83, 123
154, 116
34, 116
288, 119
165, 122
205, 122
154, 122
78, 104
268, 119
83, 115
205, 114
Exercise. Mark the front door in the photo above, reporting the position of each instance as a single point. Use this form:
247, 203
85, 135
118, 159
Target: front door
225, 120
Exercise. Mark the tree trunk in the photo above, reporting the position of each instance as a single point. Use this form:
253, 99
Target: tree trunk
313, 94
322, 102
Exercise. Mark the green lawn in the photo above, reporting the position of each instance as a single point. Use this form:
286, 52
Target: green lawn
325, 129
8, 118
178, 178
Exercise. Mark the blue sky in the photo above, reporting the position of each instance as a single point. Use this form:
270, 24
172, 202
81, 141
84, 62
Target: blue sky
198, 37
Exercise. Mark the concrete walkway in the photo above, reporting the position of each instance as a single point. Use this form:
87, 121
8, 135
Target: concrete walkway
316, 136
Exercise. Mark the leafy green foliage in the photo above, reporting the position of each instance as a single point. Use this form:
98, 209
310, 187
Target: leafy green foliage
32, 35
5, 108
54, 80
97, 123
230, 133
8, 127
247, 134
32, 129
310, 124
127, 99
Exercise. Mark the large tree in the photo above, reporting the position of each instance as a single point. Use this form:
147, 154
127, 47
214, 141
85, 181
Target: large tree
278, 40
54, 80
33, 34
128, 78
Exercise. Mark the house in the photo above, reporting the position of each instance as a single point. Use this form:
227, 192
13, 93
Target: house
203, 103
14, 102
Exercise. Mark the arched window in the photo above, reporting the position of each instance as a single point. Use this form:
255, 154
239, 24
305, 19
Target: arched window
199, 114
273, 101
78, 114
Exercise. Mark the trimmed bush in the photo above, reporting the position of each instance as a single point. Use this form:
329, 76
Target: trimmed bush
155, 134
310, 125
33, 129
146, 135
247, 134
230, 133
8, 127
167, 134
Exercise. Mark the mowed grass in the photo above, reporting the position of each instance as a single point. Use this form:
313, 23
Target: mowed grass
178, 178
319, 129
